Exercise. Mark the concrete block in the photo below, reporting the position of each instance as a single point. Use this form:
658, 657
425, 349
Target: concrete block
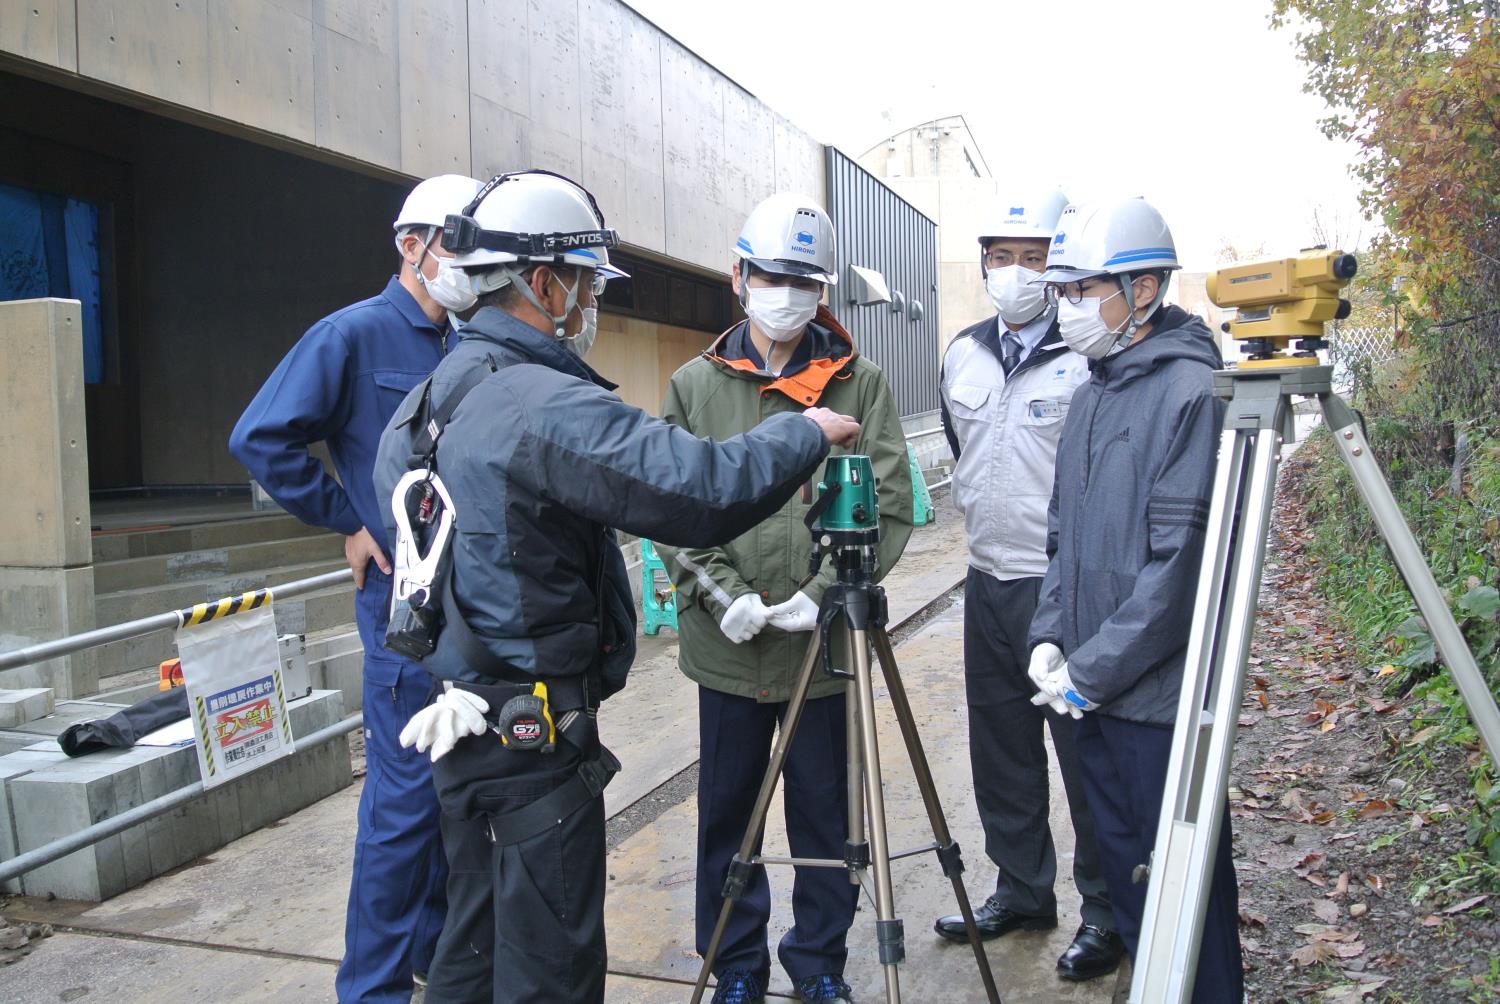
48, 804
434, 86
42, 30
155, 47
44, 604
8, 846
261, 66
17, 707
358, 100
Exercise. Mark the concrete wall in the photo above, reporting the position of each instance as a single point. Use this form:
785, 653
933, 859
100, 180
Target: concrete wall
675, 152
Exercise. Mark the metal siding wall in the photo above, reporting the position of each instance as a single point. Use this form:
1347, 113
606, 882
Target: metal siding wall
877, 229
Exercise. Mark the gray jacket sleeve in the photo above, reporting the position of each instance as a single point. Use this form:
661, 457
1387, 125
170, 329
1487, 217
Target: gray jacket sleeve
1151, 626
608, 461
1046, 623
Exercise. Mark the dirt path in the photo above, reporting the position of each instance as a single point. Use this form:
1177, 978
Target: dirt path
1328, 843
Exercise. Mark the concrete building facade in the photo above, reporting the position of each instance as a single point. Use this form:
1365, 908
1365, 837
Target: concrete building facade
207, 178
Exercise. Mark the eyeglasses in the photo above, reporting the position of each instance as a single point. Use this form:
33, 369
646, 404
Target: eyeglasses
597, 281
1002, 258
1073, 292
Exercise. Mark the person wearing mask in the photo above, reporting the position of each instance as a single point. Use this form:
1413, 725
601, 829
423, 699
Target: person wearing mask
540, 459
1126, 525
1006, 385
339, 385
744, 616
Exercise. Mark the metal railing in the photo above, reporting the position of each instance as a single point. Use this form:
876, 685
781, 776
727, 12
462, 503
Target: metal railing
227, 606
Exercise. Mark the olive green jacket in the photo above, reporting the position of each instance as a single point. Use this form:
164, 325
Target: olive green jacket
721, 394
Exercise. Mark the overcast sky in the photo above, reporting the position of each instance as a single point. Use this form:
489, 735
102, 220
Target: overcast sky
1196, 105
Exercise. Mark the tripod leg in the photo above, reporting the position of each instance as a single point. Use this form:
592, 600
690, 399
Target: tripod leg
739, 868
888, 933
948, 850
856, 847
1203, 740
1350, 440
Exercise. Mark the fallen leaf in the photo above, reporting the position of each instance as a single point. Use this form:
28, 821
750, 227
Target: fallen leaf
1312, 955
1386, 670
1431, 920
1341, 887
1247, 721
1376, 882
1251, 918
1326, 910
1374, 807
1467, 904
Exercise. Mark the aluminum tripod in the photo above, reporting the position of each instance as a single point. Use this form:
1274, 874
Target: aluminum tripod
1258, 421
859, 604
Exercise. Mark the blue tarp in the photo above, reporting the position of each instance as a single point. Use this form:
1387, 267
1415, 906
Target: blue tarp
49, 246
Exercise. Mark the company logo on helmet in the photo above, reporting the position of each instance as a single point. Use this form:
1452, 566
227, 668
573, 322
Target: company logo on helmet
803, 237
801, 250
1018, 210
1057, 241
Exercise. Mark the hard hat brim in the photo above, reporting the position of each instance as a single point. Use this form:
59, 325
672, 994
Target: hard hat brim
1062, 273
800, 269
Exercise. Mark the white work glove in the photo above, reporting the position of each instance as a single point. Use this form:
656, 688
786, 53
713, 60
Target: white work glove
455, 715
799, 613
744, 618
1058, 692
1044, 659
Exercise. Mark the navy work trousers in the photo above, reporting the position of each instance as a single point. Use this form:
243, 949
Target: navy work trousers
396, 902
1009, 758
735, 735
1125, 774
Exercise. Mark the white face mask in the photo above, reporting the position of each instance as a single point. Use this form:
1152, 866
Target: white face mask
1084, 330
450, 289
1011, 293
781, 312
580, 343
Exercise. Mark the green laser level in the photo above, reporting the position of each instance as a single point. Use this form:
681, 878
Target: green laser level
849, 485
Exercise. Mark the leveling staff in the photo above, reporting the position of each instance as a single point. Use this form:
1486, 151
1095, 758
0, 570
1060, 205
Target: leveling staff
1135, 469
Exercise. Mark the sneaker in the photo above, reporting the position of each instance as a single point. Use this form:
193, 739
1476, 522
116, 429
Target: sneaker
420, 979
736, 986
825, 987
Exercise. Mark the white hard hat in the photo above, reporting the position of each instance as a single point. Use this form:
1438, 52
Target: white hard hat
790, 235
1032, 218
432, 200
531, 217
1110, 238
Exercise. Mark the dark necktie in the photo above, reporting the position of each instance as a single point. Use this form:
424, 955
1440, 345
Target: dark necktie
1010, 351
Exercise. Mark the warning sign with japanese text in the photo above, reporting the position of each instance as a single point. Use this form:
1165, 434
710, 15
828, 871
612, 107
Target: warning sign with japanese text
232, 668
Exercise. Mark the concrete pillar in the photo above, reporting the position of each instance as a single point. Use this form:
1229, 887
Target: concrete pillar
46, 570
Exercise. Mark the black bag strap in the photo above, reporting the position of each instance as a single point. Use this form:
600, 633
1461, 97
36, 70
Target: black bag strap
557, 805
430, 424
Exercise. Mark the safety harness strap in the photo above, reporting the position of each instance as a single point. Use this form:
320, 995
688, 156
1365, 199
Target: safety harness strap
552, 808
430, 424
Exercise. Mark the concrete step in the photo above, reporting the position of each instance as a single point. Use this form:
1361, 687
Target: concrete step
44, 796
115, 545
319, 611
213, 563
335, 661
122, 605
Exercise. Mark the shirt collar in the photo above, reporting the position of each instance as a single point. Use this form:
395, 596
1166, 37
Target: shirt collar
403, 301
1034, 331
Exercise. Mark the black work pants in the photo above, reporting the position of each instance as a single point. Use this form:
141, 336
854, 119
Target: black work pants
735, 734
525, 922
1125, 772
1009, 758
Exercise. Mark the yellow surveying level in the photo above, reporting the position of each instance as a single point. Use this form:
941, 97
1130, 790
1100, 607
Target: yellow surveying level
1281, 299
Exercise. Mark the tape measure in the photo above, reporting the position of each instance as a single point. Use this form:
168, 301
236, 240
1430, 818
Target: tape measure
525, 721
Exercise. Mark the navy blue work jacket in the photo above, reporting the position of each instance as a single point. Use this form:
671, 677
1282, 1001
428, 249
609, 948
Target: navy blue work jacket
339, 384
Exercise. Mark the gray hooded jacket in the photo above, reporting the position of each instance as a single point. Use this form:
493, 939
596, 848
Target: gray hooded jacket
1135, 469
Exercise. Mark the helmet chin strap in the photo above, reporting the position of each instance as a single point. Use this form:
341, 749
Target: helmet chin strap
1132, 324
559, 321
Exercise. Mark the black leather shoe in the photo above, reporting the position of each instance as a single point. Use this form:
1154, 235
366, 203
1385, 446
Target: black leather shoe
1094, 952
993, 920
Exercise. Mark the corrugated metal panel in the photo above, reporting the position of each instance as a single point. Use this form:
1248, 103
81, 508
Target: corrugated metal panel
878, 229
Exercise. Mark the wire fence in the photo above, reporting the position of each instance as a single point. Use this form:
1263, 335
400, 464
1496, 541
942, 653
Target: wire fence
1355, 351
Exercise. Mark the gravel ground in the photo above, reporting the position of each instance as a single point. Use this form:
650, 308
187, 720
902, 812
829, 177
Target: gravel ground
1326, 913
